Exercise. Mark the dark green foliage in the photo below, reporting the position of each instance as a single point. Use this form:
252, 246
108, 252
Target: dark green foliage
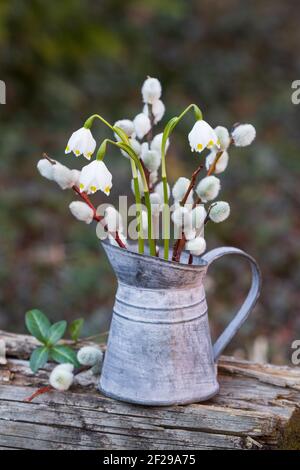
62, 61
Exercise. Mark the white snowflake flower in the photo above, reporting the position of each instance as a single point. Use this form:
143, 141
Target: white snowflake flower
81, 142
95, 176
202, 136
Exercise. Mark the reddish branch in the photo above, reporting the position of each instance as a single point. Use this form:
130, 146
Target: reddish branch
83, 195
38, 392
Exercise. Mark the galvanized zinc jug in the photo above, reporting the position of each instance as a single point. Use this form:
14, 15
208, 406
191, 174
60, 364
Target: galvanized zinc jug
159, 349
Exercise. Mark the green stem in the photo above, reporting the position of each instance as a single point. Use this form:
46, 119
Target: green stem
138, 203
167, 132
134, 157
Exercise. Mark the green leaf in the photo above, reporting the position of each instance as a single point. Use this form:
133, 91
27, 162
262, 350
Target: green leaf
38, 358
64, 354
75, 328
38, 324
56, 332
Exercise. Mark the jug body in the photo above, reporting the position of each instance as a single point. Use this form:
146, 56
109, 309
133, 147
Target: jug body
159, 349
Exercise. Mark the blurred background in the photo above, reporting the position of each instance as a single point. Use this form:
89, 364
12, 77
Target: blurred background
63, 61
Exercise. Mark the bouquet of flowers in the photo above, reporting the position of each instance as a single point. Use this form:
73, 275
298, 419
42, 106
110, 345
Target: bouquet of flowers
193, 203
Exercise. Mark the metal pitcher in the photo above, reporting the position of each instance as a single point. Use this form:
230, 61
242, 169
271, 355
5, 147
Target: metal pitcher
159, 348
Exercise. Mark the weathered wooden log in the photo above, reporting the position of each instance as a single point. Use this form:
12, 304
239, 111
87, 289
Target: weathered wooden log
257, 408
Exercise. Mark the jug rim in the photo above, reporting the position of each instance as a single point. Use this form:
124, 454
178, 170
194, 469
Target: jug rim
200, 262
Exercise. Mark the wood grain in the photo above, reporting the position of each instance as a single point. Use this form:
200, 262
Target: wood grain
257, 407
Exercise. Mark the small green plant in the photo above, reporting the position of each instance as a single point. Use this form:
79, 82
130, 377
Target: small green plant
75, 329
49, 335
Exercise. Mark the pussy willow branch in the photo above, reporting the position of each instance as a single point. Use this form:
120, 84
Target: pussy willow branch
87, 200
178, 244
49, 388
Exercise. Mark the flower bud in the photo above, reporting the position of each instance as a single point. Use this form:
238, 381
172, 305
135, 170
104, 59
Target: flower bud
89, 356
159, 189
153, 177
126, 125
156, 143
219, 211
82, 211
196, 247
45, 168
61, 378
63, 176
243, 135
156, 202
142, 125
198, 217
181, 217
158, 110
208, 188
180, 188
113, 219
151, 159
221, 164
151, 90
223, 136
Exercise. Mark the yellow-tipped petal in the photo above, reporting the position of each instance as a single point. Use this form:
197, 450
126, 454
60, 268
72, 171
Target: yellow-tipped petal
199, 146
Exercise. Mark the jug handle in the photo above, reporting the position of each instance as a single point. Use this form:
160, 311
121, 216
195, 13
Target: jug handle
249, 303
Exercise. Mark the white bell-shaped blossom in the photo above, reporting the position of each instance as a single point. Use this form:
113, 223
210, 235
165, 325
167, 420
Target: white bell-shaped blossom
45, 168
198, 217
208, 188
156, 143
81, 142
127, 127
202, 136
89, 356
196, 247
219, 211
136, 146
151, 159
142, 125
113, 220
159, 189
223, 136
63, 176
180, 188
221, 164
157, 109
95, 176
82, 211
243, 135
151, 90
61, 377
